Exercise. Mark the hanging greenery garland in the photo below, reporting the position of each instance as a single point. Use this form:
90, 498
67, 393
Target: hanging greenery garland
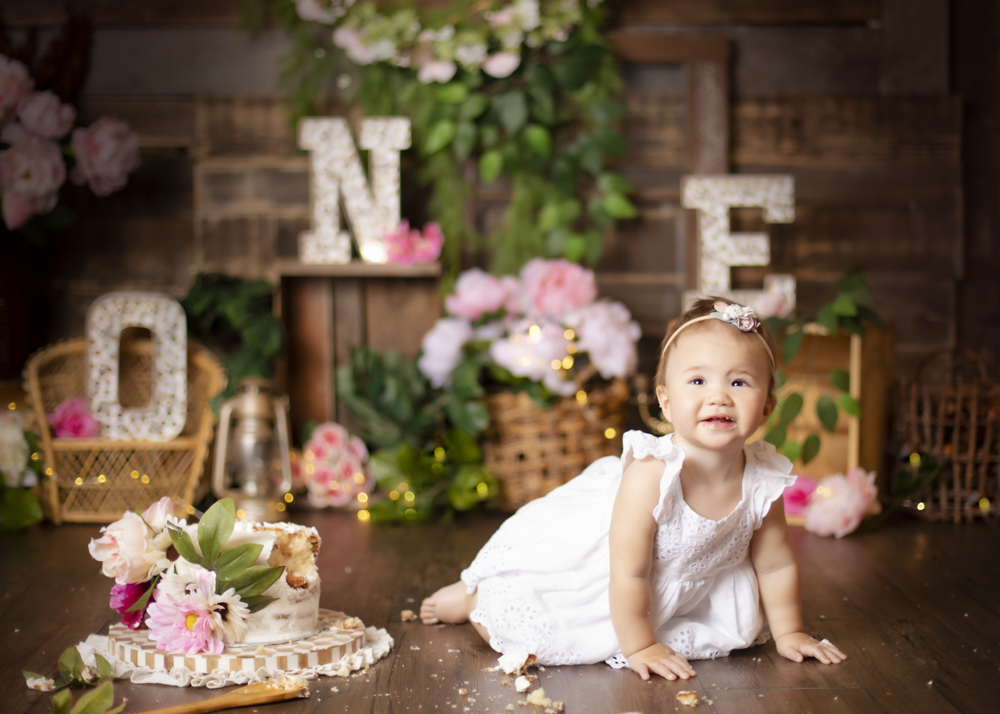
523, 91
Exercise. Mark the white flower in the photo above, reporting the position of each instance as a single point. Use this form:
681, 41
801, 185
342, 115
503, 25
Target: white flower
179, 580
441, 35
382, 49
437, 71
501, 64
318, 11
532, 350
527, 15
501, 18
607, 333
13, 448
354, 47
443, 349
123, 548
470, 56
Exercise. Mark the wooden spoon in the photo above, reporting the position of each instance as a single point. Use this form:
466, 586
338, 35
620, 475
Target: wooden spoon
274, 690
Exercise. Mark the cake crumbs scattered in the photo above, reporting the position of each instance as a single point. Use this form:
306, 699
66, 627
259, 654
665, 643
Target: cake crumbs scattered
351, 623
522, 684
538, 698
462, 691
687, 698
407, 615
42, 684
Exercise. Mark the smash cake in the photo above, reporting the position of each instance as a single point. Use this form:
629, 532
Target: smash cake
222, 601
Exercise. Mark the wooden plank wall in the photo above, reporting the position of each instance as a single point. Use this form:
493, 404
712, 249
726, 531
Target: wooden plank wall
852, 97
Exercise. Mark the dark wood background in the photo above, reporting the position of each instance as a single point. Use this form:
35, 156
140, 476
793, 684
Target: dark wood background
885, 111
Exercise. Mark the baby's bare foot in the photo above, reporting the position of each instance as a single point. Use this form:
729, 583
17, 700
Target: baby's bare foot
449, 604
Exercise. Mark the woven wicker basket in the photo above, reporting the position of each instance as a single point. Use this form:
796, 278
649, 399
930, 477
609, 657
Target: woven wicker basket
950, 410
532, 450
96, 480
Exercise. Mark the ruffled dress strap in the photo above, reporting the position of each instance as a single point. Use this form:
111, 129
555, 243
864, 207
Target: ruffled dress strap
770, 474
639, 445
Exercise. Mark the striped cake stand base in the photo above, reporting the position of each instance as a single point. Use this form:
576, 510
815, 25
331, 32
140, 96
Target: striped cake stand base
329, 645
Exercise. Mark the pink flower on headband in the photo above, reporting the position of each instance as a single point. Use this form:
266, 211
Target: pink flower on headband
742, 318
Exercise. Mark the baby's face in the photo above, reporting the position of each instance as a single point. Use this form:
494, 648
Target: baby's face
716, 392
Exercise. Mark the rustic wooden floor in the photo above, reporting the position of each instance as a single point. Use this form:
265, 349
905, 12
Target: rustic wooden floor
915, 605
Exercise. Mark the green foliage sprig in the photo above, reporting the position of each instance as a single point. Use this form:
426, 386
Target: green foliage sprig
548, 126
426, 437
917, 472
850, 311
77, 675
19, 508
235, 318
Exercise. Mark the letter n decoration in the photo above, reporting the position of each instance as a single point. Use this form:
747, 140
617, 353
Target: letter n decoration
719, 249
335, 173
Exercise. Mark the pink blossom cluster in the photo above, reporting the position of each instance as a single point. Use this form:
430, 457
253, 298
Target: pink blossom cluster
73, 420
538, 325
835, 505
32, 169
333, 466
406, 246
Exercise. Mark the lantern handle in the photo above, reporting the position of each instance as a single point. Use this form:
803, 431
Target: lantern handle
221, 447
284, 444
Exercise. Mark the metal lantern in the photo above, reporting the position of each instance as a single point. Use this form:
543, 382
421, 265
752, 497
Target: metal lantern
251, 458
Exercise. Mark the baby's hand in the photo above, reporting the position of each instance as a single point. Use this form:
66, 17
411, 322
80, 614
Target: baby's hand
796, 646
663, 661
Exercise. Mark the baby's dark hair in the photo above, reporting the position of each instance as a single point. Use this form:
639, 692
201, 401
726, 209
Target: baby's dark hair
701, 308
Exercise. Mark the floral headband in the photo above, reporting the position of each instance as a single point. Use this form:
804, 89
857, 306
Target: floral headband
741, 317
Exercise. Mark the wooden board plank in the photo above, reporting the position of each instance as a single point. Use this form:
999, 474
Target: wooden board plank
399, 312
160, 121
241, 246
226, 13
307, 312
748, 11
915, 58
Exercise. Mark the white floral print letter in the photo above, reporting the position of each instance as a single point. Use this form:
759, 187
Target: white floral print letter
163, 419
719, 249
335, 171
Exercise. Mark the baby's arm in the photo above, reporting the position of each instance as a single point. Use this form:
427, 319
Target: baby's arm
778, 577
632, 533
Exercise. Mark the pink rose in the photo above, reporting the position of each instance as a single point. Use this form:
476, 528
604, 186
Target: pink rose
840, 503
443, 349
15, 82
798, 495
606, 332
31, 172
45, 116
72, 420
405, 246
356, 448
328, 437
556, 287
122, 549
501, 64
477, 293
106, 152
156, 515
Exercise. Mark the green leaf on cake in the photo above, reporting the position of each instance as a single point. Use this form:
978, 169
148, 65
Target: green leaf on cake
255, 580
235, 560
140, 604
256, 603
215, 527
185, 547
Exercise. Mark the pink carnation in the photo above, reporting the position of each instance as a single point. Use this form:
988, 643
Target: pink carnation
405, 246
840, 503
31, 172
557, 287
15, 82
798, 495
124, 596
45, 116
72, 420
106, 152
477, 293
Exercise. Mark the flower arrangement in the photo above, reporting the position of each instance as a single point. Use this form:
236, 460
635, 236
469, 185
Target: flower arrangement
544, 331
73, 420
20, 466
333, 467
835, 505
524, 89
39, 149
192, 598
405, 246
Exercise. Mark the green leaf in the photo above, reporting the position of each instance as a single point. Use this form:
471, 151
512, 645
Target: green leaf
844, 306
62, 702
614, 183
473, 107
104, 668
855, 287
618, 206
607, 111
538, 139
826, 410
810, 448
575, 248
490, 166
215, 527
465, 140
550, 216
140, 604
776, 436
71, 664
594, 246
512, 108
453, 93
791, 408
790, 345
233, 561
579, 66
611, 142
185, 547
780, 378
555, 242
791, 450
827, 318
564, 176
599, 214
489, 135
439, 136
849, 404
543, 106
591, 157
256, 603
841, 379
18, 509
255, 580
96, 701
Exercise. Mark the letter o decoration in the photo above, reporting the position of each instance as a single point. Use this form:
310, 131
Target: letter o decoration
163, 419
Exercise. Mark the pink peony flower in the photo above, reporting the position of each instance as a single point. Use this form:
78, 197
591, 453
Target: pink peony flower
157, 514
439, 71
557, 287
45, 116
840, 503
15, 82
798, 495
405, 246
477, 293
333, 466
124, 596
328, 435
72, 420
122, 550
31, 172
607, 333
106, 152
501, 64
442, 348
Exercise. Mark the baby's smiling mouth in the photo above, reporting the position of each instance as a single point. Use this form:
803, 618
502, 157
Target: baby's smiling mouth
719, 419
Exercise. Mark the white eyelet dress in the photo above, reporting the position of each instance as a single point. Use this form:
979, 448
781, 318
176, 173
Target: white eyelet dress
542, 579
